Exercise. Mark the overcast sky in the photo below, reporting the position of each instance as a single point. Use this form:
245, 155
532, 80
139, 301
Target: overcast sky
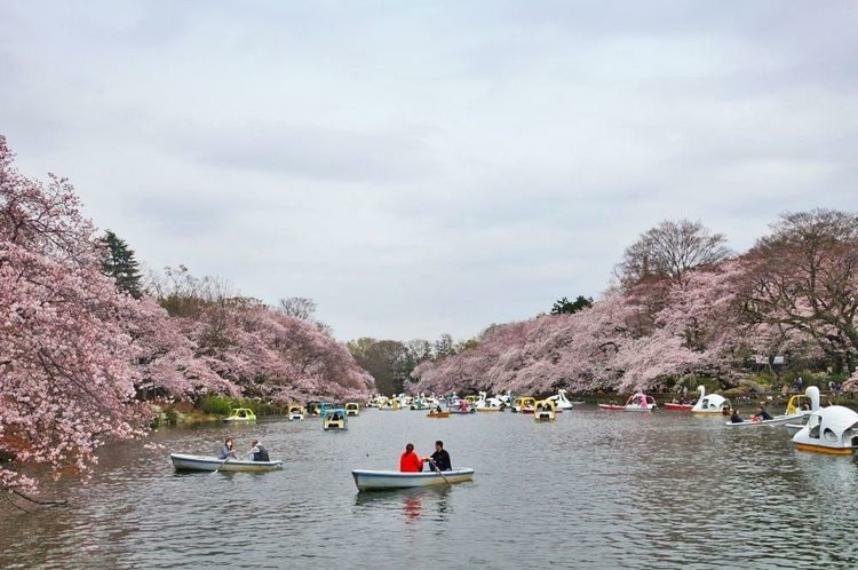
429, 167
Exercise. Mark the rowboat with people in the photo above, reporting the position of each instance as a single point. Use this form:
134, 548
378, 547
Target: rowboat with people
369, 480
676, 407
188, 462
798, 408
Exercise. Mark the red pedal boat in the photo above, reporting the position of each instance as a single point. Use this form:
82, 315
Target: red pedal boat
677, 407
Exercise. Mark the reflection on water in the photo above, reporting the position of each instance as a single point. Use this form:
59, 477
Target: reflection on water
593, 489
412, 504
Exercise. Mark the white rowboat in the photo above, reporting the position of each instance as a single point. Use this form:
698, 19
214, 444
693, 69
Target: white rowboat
368, 480
186, 462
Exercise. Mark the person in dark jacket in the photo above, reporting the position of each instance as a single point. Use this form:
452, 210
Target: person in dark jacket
257, 452
762, 414
440, 460
735, 417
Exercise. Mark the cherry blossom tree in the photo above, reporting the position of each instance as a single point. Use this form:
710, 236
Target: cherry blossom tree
803, 278
66, 362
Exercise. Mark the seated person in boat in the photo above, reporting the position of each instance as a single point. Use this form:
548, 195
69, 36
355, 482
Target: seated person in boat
409, 462
735, 417
762, 414
257, 452
440, 460
228, 449
438, 409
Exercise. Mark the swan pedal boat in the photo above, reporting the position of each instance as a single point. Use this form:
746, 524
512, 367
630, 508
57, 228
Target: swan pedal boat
369, 480
710, 404
187, 462
832, 430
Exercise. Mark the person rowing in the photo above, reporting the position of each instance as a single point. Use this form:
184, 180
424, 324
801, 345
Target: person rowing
410, 462
228, 450
762, 414
440, 460
735, 417
258, 452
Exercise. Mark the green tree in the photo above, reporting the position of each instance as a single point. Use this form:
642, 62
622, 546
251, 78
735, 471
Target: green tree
566, 307
119, 263
385, 359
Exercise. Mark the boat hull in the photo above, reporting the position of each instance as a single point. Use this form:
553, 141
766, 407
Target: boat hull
187, 462
678, 407
438, 415
824, 449
774, 421
368, 480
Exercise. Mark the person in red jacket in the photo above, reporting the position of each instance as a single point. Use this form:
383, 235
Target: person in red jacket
410, 462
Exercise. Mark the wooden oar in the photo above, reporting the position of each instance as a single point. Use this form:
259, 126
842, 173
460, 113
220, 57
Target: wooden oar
222, 464
438, 470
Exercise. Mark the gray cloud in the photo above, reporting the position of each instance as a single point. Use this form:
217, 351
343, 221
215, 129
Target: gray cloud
428, 167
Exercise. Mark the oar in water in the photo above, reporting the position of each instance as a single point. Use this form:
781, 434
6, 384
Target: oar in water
438, 470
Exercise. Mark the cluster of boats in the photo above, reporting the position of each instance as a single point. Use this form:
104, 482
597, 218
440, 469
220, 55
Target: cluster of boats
444, 407
830, 429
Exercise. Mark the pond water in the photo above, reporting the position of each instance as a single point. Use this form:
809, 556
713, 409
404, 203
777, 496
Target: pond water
594, 489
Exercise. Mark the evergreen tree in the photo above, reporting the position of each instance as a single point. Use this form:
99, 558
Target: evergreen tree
120, 264
566, 307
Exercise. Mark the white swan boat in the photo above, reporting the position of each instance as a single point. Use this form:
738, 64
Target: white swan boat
369, 480
793, 413
711, 404
485, 404
832, 430
561, 401
187, 462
